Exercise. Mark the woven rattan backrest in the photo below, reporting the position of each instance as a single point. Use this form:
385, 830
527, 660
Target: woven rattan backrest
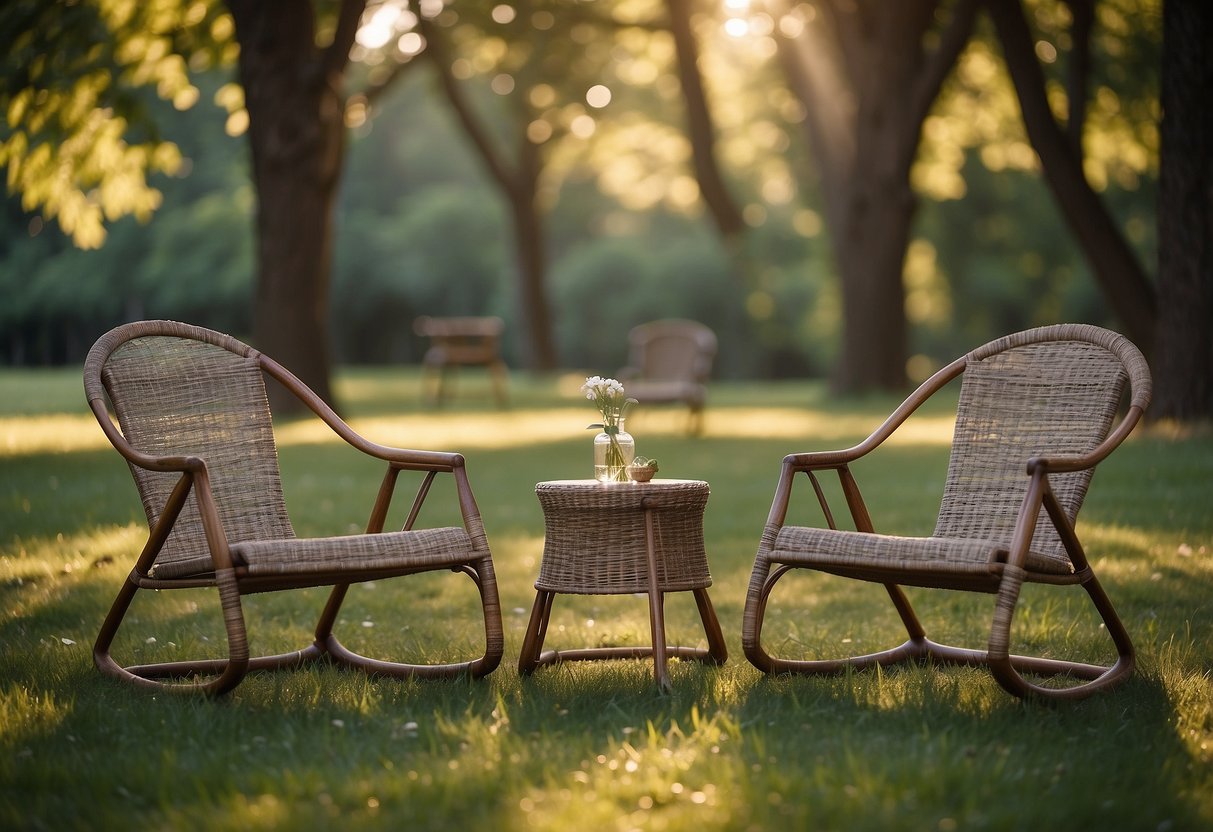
673, 350
177, 396
1046, 397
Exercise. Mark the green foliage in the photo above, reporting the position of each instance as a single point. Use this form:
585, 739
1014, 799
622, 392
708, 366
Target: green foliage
78, 141
421, 230
442, 252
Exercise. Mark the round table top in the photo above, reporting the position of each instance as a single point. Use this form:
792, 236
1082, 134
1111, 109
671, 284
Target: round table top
595, 494
628, 484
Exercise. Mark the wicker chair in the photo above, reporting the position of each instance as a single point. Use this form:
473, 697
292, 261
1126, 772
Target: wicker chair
1037, 411
669, 361
194, 425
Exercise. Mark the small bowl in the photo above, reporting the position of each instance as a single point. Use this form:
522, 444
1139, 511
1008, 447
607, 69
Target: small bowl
642, 473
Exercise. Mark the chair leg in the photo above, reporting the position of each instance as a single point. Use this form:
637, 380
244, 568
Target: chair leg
1009, 669
224, 674
695, 419
499, 374
486, 583
763, 581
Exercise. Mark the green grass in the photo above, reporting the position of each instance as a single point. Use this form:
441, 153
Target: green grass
592, 745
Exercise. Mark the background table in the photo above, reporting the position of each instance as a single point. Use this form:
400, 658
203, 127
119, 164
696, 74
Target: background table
618, 539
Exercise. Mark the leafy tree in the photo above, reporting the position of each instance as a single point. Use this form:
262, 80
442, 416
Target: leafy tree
77, 140
72, 97
554, 91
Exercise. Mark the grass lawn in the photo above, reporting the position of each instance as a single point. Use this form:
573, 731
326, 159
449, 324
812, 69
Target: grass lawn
592, 746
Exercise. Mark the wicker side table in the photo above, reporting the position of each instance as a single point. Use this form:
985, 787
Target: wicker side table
618, 539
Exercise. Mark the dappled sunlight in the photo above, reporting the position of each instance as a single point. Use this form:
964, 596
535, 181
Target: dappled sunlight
485, 430
818, 427
1100, 537
26, 716
642, 775
519, 428
49, 433
452, 431
38, 558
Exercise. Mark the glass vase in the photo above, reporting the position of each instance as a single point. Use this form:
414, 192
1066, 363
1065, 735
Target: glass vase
614, 450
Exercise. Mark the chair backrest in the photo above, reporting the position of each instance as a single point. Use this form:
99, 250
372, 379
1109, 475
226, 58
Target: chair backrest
1052, 391
180, 390
672, 350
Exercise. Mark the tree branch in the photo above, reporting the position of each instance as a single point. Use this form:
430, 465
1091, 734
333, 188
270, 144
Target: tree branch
337, 54
438, 55
700, 128
1113, 262
939, 62
1078, 73
372, 92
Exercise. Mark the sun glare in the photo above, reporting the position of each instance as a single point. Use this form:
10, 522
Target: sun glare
737, 27
598, 96
380, 28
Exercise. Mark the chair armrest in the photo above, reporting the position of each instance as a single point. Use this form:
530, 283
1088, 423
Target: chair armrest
835, 459
816, 460
403, 458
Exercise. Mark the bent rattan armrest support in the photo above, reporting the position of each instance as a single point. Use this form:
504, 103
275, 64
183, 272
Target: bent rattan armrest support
1037, 411
192, 421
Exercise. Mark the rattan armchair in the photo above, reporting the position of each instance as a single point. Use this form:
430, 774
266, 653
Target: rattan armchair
192, 420
1037, 411
669, 362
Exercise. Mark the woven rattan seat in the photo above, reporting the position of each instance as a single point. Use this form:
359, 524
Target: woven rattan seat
193, 423
1037, 411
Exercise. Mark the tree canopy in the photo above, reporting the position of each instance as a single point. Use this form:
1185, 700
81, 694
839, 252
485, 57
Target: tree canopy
579, 113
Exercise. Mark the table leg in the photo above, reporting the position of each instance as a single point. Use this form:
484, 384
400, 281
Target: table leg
717, 650
499, 373
536, 631
656, 608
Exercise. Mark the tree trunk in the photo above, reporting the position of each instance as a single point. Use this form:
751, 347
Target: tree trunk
531, 252
1113, 262
875, 235
518, 184
1183, 357
701, 131
296, 136
867, 82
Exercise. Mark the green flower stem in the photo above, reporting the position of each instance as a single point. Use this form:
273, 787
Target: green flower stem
616, 467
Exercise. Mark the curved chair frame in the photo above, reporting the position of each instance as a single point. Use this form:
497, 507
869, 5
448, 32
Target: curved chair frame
232, 578
1005, 580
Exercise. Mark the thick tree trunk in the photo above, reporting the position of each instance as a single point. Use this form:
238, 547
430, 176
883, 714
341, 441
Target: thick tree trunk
867, 82
875, 235
1183, 358
1113, 262
296, 136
